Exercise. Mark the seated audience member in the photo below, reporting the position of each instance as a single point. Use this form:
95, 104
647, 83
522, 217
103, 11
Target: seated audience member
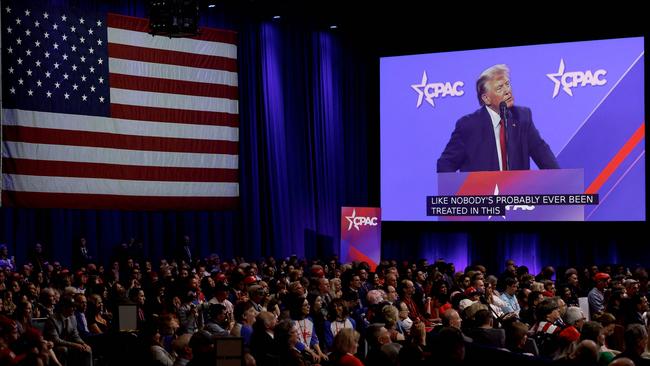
509, 296
337, 319
8, 338
636, 342
23, 316
485, 334
286, 337
517, 339
307, 338
636, 310
390, 314
244, 318
405, 323
81, 307
203, 351
382, 351
158, 355
585, 353
97, 323
449, 348
61, 329
263, 346
218, 324
47, 302
575, 319
181, 347
596, 296
414, 352
594, 331
344, 349
407, 292
545, 332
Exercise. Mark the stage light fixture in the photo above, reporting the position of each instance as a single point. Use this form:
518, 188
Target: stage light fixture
174, 18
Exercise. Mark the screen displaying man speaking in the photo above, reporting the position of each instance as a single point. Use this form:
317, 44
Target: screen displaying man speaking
498, 136
578, 105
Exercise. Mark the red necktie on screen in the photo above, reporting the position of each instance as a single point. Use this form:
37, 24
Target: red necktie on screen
502, 141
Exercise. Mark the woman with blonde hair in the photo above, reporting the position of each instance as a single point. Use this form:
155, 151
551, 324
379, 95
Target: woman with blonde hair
336, 288
391, 315
346, 343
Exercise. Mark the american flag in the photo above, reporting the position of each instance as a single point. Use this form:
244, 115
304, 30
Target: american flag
97, 113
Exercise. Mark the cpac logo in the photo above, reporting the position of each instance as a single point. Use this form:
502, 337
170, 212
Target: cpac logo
357, 221
572, 79
436, 90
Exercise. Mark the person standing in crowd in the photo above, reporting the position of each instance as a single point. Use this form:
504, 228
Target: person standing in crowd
6, 263
80, 254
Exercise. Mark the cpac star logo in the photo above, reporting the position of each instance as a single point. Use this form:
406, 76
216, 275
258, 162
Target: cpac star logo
511, 207
571, 79
357, 221
496, 193
436, 90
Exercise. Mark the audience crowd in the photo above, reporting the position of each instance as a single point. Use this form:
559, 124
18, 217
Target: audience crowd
293, 311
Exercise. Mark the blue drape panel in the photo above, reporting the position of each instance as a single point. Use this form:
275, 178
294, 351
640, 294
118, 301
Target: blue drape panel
309, 144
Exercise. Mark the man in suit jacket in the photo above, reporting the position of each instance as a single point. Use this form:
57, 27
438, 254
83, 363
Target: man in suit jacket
475, 143
80, 254
61, 329
184, 250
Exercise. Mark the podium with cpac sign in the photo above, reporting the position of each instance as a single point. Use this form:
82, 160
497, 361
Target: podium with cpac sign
529, 195
361, 235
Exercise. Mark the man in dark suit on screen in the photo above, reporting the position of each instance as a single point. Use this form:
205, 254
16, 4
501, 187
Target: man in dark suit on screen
479, 140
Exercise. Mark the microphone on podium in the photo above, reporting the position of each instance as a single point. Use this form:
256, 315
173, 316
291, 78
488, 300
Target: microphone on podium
503, 108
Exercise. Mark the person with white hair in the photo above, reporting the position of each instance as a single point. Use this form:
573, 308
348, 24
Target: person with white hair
498, 135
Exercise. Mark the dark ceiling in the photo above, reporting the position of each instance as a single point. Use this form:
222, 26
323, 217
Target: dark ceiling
402, 27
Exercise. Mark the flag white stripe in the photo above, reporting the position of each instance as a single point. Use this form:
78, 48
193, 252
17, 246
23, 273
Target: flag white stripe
172, 72
82, 154
32, 183
141, 39
75, 122
174, 101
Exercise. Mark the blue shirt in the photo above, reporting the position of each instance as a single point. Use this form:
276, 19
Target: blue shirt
512, 305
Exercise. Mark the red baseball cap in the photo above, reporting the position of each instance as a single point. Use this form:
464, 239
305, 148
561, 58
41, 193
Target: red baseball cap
601, 276
318, 272
250, 280
471, 291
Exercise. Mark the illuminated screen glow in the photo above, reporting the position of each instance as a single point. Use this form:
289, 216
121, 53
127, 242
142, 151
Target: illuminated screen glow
586, 100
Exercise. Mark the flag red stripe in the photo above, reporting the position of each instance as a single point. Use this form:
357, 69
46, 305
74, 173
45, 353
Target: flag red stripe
154, 55
115, 171
116, 141
142, 25
100, 201
174, 115
160, 85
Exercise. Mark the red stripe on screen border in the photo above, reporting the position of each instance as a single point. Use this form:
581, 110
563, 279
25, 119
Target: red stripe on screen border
101, 201
52, 168
616, 161
116, 141
171, 115
160, 85
145, 54
142, 25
